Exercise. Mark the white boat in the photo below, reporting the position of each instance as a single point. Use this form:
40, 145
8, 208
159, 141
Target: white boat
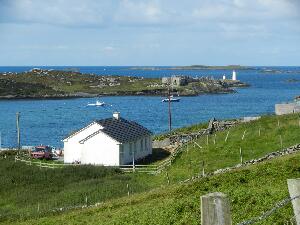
171, 99
98, 103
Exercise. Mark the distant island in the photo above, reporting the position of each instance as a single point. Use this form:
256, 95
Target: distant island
41, 83
274, 71
194, 67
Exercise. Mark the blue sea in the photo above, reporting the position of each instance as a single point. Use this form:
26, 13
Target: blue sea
49, 121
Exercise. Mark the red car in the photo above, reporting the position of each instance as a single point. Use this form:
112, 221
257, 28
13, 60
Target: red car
41, 152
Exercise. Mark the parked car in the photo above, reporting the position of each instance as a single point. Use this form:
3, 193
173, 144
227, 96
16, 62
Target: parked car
41, 152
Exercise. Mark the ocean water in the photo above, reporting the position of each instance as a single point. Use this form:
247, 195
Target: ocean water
49, 121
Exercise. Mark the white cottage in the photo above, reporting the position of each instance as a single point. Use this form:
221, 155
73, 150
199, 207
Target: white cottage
110, 142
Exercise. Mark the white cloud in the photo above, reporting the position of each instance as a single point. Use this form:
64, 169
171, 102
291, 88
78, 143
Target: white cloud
56, 12
245, 10
52, 47
247, 18
109, 49
146, 12
137, 12
147, 31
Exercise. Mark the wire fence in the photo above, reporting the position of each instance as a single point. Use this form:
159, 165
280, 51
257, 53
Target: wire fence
150, 169
267, 214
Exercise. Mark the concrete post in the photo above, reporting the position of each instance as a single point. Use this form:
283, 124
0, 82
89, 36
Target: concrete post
215, 209
294, 190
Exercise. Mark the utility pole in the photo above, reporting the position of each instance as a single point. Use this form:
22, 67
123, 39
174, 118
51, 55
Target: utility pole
170, 115
18, 130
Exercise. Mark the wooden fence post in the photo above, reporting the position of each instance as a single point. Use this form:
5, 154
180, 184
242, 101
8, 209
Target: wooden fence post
215, 209
128, 192
294, 190
241, 155
203, 169
206, 139
168, 178
195, 143
227, 136
259, 131
281, 144
244, 135
86, 201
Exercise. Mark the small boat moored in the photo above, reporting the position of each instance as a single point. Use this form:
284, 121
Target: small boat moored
171, 99
98, 103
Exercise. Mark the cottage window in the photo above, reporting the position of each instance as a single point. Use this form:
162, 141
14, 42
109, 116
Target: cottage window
146, 144
121, 149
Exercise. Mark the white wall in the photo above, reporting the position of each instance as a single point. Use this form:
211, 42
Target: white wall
72, 148
100, 150
141, 150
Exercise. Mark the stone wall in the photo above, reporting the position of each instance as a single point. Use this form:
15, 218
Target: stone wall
287, 151
213, 126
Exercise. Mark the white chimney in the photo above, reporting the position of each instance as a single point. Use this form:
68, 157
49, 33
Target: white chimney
116, 115
233, 75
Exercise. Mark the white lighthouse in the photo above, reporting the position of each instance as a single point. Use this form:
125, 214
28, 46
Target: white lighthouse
233, 75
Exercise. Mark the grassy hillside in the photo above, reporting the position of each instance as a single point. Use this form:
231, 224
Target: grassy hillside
222, 154
24, 189
52, 82
252, 191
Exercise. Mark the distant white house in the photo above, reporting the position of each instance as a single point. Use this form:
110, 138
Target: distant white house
110, 142
287, 108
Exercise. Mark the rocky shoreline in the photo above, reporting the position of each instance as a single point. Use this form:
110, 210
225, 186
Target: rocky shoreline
55, 96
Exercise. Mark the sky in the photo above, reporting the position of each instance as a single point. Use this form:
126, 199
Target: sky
149, 32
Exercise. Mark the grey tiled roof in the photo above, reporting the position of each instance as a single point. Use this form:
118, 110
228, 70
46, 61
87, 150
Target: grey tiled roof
123, 130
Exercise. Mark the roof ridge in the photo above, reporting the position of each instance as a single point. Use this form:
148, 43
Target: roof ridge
121, 130
78, 131
89, 136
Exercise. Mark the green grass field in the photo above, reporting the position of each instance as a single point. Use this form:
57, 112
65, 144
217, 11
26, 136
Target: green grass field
251, 190
28, 192
25, 188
